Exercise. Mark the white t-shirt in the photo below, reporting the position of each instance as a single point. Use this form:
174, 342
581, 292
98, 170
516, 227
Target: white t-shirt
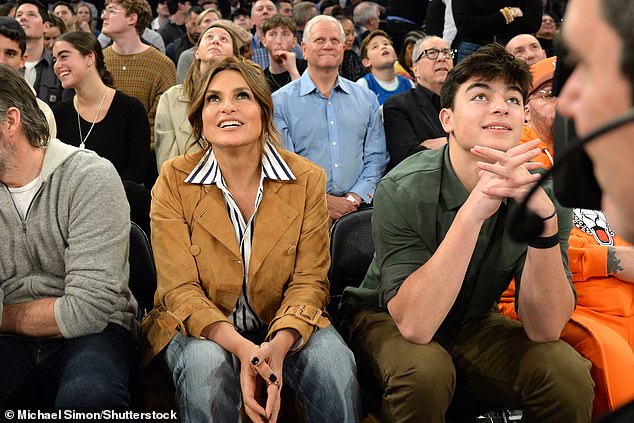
30, 74
23, 196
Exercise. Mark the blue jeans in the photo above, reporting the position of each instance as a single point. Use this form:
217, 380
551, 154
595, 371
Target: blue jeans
89, 373
322, 374
466, 48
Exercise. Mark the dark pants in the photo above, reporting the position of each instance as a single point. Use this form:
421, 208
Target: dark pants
492, 360
90, 373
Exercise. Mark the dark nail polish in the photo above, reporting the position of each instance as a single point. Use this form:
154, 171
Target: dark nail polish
255, 361
273, 378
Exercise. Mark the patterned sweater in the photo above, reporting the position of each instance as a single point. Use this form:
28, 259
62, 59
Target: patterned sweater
146, 76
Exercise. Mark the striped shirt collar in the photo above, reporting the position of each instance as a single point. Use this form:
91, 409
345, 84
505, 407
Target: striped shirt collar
207, 171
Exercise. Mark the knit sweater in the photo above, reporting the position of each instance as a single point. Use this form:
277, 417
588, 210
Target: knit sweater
72, 245
145, 75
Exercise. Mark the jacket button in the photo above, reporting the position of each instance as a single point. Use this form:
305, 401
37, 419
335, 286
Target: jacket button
291, 250
194, 250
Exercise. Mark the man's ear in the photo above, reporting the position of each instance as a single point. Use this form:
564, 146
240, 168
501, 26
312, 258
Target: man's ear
12, 121
133, 19
446, 120
47, 25
303, 49
372, 20
263, 41
366, 62
527, 114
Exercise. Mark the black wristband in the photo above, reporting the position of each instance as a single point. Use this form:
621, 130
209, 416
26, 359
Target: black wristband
549, 217
543, 242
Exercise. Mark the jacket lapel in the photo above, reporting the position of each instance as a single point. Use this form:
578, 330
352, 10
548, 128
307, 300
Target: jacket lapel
273, 219
212, 215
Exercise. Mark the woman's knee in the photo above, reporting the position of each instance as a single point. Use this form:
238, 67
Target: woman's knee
206, 380
196, 361
325, 361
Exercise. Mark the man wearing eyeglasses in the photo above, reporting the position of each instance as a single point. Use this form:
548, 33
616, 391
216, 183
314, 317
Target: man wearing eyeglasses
138, 70
411, 118
541, 107
601, 264
423, 322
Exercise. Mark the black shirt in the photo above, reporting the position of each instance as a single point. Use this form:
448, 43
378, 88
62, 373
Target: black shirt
278, 80
122, 136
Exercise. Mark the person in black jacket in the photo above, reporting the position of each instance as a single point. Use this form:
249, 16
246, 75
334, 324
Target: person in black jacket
482, 22
411, 118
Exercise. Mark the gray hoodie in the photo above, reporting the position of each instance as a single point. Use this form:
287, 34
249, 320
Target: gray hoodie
72, 244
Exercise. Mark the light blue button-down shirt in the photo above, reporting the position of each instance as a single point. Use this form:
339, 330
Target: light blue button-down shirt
343, 134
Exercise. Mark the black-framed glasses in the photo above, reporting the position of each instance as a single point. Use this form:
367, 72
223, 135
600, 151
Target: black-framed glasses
432, 53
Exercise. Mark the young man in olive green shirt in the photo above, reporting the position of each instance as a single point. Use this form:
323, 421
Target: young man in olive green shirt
422, 320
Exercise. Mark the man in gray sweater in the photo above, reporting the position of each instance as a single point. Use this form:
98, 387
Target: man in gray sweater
65, 306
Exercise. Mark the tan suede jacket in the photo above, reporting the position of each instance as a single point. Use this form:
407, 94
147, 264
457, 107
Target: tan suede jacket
198, 261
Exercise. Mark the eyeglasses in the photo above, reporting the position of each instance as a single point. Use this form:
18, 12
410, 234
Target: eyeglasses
546, 93
432, 53
110, 11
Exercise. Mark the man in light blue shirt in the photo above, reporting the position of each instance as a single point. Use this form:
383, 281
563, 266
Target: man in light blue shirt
332, 121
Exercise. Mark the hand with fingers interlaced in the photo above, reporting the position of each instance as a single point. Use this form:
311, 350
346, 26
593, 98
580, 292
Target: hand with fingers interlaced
261, 375
506, 174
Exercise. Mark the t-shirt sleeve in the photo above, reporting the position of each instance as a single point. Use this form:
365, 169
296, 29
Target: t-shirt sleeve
398, 246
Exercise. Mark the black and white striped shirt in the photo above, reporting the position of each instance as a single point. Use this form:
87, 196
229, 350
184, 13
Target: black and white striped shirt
207, 172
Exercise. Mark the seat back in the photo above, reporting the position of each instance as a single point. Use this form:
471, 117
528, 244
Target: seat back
142, 270
351, 252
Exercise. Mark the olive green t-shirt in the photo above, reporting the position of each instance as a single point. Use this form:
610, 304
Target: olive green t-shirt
414, 207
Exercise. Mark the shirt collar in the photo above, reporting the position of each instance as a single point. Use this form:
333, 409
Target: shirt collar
453, 192
429, 93
307, 86
47, 56
256, 41
207, 172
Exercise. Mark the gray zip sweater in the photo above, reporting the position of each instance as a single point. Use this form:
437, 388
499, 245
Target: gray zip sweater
72, 244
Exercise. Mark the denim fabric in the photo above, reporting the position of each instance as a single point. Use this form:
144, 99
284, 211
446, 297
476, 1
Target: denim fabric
322, 374
91, 372
465, 48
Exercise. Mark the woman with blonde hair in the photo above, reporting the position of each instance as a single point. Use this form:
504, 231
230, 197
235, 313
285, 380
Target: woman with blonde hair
202, 22
172, 131
240, 239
